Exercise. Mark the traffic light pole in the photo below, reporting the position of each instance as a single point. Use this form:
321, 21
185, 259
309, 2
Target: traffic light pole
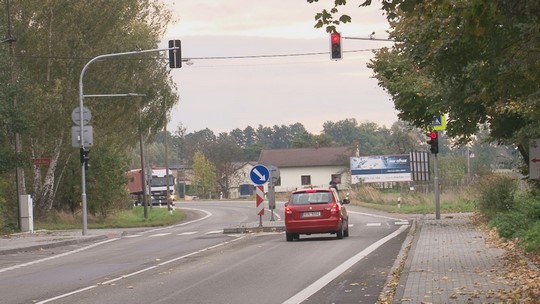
436, 187
81, 105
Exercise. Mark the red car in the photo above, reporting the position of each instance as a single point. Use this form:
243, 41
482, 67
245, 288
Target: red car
316, 210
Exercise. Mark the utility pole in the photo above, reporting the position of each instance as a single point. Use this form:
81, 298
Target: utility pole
143, 171
19, 173
169, 207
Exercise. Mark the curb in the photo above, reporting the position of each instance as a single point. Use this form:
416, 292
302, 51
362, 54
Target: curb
236, 230
393, 279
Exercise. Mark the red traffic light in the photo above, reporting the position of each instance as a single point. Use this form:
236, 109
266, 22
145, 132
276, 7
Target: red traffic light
335, 46
335, 37
433, 142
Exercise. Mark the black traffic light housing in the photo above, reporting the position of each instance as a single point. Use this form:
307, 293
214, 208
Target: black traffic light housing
433, 142
175, 55
85, 157
336, 52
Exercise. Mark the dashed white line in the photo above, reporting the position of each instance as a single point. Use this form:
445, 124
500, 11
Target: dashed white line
402, 223
187, 233
373, 224
214, 232
159, 234
132, 236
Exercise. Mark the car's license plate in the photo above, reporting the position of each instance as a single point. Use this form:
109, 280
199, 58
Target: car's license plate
311, 214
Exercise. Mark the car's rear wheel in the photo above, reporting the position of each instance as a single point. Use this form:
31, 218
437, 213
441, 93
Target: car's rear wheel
339, 233
289, 236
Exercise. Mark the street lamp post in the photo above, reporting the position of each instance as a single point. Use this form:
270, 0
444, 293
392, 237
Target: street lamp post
81, 105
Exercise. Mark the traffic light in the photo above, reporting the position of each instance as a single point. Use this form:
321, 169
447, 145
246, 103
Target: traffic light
175, 55
85, 157
433, 142
335, 46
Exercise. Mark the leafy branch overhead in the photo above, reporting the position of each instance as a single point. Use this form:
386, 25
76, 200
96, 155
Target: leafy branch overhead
326, 17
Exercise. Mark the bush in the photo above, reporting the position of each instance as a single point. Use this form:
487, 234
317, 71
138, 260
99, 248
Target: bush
510, 224
531, 237
496, 194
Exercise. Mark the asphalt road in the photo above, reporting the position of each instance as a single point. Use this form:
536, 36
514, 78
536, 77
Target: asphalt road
194, 262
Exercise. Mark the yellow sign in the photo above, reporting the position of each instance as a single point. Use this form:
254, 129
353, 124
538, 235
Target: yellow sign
439, 123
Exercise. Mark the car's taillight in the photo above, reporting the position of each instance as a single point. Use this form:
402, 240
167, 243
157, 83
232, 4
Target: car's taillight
288, 210
334, 209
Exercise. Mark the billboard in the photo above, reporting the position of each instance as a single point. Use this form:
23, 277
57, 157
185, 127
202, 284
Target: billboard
381, 168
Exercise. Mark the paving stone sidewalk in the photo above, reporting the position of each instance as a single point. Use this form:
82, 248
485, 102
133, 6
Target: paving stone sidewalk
450, 262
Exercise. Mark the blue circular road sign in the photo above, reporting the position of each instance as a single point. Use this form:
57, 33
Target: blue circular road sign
259, 175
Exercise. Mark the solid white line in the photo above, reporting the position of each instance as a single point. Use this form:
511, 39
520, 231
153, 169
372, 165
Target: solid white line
132, 236
327, 278
67, 294
57, 256
208, 214
375, 215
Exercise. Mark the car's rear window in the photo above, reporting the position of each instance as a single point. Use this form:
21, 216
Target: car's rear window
306, 198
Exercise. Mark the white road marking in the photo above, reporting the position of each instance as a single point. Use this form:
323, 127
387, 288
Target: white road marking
208, 214
214, 232
57, 256
187, 233
373, 224
323, 281
139, 271
159, 234
375, 215
402, 223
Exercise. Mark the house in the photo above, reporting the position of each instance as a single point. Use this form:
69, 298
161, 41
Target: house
240, 184
302, 167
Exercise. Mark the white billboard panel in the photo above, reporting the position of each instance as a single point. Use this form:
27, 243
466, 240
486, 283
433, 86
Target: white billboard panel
381, 168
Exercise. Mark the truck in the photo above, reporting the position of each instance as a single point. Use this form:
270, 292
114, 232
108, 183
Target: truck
156, 180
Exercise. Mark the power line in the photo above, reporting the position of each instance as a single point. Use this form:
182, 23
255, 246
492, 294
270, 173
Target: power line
203, 58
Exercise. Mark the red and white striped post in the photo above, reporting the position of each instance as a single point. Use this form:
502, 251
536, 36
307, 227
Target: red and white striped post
260, 206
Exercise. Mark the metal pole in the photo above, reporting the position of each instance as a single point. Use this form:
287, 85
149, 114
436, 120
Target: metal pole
436, 186
169, 207
19, 172
143, 171
81, 105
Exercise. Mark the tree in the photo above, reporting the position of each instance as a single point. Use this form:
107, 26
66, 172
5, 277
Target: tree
477, 61
55, 40
225, 155
472, 60
204, 175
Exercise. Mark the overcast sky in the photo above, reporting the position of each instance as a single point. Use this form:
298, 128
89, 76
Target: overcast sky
224, 94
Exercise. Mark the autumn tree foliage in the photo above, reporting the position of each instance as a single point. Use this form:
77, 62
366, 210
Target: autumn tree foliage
476, 61
54, 40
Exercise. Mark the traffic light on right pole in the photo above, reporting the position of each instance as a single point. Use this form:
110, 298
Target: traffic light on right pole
433, 142
336, 52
